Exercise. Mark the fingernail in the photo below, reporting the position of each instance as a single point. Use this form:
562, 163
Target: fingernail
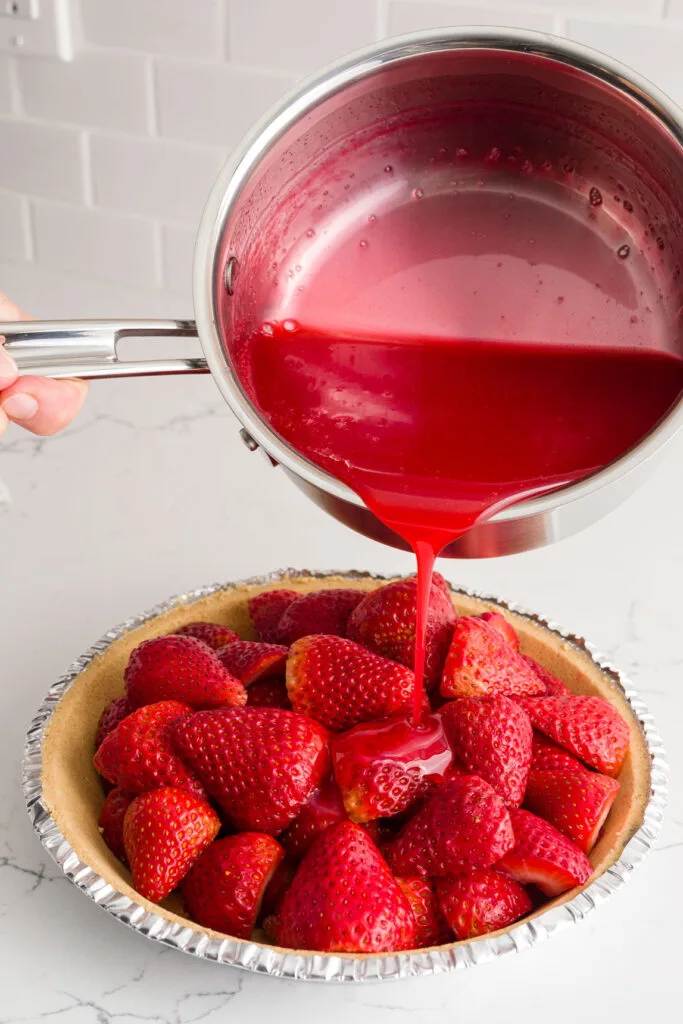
20, 407
8, 368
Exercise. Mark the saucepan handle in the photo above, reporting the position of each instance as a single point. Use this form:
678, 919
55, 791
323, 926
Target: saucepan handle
88, 348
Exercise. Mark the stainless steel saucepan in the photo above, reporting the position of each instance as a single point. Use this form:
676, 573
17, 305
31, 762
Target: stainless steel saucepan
632, 133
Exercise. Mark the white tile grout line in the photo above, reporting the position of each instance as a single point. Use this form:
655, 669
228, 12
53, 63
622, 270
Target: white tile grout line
151, 106
28, 230
86, 168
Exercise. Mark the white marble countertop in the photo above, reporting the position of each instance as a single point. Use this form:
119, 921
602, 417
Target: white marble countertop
151, 493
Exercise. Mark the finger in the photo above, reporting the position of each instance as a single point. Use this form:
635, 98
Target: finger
41, 405
4, 423
10, 311
8, 368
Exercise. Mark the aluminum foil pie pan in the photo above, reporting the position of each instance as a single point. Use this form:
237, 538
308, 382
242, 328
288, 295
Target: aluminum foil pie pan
62, 791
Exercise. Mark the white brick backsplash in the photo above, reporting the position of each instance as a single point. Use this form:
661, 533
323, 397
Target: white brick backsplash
297, 35
210, 103
412, 16
153, 177
40, 160
95, 243
106, 90
5, 87
13, 225
185, 27
178, 252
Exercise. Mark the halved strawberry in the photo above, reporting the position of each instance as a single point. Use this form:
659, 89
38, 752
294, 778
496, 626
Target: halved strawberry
260, 764
542, 856
554, 687
481, 662
210, 633
547, 755
115, 712
250, 661
324, 808
164, 831
431, 927
266, 609
481, 901
268, 693
339, 683
139, 753
112, 814
323, 611
381, 768
384, 622
224, 888
589, 727
505, 628
180, 668
576, 803
344, 899
491, 737
464, 824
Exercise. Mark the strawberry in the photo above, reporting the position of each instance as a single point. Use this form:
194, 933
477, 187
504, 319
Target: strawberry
381, 768
112, 814
589, 727
344, 899
260, 764
164, 832
324, 808
339, 683
431, 926
280, 881
268, 693
266, 609
224, 888
543, 856
384, 622
139, 753
464, 824
554, 687
251, 661
481, 661
180, 668
506, 630
481, 901
547, 755
323, 611
114, 713
576, 803
210, 633
491, 737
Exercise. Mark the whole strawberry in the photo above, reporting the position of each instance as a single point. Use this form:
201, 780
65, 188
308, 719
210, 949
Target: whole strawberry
464, 824
250, 661
589, 727
260, 764
384, 622
323, 611
224, 888
548, 755
576, 803
339, 683
139, 753
210, 633
266, 609
542, 856
481, 662
481, 901
491, 737
112, 815
114, 713
268, 693
180, 668
164, 831
324, 808
505, 628
554, 687
344, 899
431, 927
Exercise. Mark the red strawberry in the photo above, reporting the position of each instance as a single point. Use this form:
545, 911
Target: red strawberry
344, 899
324, 808
381, 768
139, 753
481, 901
506, 630
180, 668
266, 609
323, 611
480, 661
589, 727
164, 832
224, 888
280, 881
576, 803
491, 737
112, 814
464, 824
260, 764
268, 693
554, 687
547, 755
340, 684
210, 633
384, 622
543, 856
431, 926
114, 713
251, 661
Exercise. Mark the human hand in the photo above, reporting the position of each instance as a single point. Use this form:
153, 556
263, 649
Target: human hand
39, 404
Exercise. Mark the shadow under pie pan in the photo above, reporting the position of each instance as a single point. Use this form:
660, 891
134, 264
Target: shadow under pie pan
64, 794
